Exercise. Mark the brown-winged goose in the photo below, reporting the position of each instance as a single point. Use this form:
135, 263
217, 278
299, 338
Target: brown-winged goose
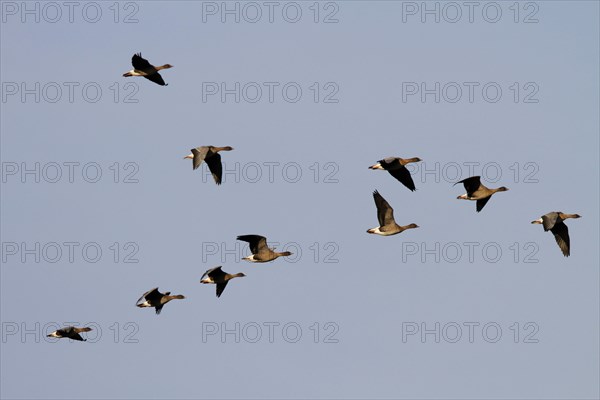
70, 332
141, 67
211, 155
476, 191
396, 167
554, 222
219, 277
156, 299
259, 249
385, 215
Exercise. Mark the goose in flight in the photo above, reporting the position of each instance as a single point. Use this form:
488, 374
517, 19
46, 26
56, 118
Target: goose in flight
385, 215
259, 249
141, 67
156, 299
554, 222
70, 332
396, 167
219, 277
476, 191
211, 155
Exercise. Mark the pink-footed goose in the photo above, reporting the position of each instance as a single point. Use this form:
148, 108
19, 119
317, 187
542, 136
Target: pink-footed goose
156, 299
554, 222
141, 67
385, 216
211, 155
70, 332
476, 191
219, 277
396, 167
259, 249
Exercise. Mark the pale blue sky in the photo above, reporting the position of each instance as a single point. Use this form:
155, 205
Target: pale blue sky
378, 289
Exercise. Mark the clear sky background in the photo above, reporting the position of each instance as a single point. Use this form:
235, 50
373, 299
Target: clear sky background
373, 291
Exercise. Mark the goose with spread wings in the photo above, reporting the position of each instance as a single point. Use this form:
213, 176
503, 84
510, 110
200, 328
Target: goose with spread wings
385, 216
141, 67
477, 191
209, 154
260, 251
70, 332
156, 299
554, 222
396, 167
219, 277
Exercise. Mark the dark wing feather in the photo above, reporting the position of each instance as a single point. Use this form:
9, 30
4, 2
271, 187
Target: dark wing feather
76, 336
471, 184
141, 64
561, 235
385, 213
214, 164
403, 175
156, 78
390, 163
150, 295
482, 202
213, 273
221, 287
256, 242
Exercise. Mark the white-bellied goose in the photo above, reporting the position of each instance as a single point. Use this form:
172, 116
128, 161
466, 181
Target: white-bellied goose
396, 167
476, 191
141, 67
70, 332
211, 155
219, 277
553, 222
385, 215
259, 249
156, 299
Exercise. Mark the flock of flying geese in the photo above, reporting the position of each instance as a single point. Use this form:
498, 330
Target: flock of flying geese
396, 166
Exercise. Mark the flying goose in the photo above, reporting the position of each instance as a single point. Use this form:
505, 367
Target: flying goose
141, 67
211, 155
70, 332
385, 215
259, 249
553, 221
476, 191
219, 277
156, 299
396, 167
